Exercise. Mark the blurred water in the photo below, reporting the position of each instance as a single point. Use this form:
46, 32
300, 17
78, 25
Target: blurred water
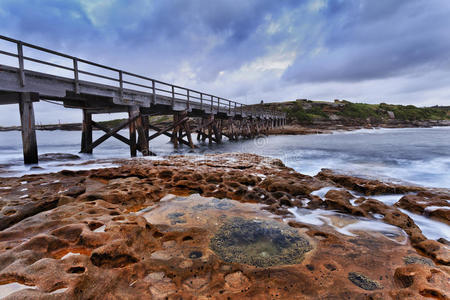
417, 155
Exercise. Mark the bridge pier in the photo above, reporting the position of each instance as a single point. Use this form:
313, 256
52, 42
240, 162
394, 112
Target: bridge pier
181, 128
133, 116
143, 126
217, 129
210, 128
86, 132
30, 151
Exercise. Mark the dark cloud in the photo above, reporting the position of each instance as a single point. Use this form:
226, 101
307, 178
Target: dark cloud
230, 33
255, 49
376, 39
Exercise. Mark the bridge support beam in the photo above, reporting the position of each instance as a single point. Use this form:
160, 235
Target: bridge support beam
30, 151
217, 129
86, 132
210, 129
133, 114
180, 129
139, 126
143, 131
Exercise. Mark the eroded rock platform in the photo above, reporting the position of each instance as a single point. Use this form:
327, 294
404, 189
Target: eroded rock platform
226, 226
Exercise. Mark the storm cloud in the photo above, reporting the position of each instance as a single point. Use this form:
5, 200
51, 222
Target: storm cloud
360, 50
377, 39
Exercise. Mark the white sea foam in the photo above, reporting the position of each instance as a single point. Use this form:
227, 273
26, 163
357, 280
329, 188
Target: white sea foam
100, 229
389, 199
9, 288
430, 228
433, 208
323, 191
345, 224
59, 291
70, 254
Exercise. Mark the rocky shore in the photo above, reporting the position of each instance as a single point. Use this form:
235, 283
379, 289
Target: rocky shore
329, 127
224, 226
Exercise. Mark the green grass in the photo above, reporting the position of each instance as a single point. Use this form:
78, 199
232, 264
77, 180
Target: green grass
361, 111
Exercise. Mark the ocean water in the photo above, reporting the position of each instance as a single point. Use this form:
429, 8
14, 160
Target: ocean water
415, 155
418, 156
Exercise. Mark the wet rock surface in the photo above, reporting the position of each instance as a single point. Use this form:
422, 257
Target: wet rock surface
432, 204
58, 157
167, 228
363, 281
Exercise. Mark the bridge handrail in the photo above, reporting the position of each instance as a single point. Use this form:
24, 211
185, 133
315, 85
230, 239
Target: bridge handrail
204, 98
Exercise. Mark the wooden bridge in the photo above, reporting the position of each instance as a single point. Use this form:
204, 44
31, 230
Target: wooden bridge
97, 89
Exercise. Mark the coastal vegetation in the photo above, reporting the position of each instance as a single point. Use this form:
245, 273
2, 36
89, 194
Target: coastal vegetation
308, 112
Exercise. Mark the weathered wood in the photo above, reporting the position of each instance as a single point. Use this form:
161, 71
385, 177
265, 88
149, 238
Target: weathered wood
166, 133
141, 130
107, 130
189, 136
21, 64
199, 128
175, 130
217, 129
86, 132
210, 129
76, 76
30, 150
108, 135
133, 115
164, 130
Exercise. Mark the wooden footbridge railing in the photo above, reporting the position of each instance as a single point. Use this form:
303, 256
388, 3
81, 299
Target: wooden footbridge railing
30, 73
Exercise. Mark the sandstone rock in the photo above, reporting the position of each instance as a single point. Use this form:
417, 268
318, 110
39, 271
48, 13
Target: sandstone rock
365, 186
236, 281
57, 157
99, 243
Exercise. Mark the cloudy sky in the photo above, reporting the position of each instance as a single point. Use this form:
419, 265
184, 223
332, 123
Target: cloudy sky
395, 51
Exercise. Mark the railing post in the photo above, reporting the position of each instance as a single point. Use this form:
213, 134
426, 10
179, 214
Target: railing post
188, 95
75, 75
21, 64
173, 95
229, 106
121, 85
154, 92
212, 104
201, 100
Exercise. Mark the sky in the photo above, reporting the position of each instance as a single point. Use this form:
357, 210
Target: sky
372, 51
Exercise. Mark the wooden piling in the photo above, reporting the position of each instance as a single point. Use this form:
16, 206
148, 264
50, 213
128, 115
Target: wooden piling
142, 130
30, 151
86, 132
175, 130
132, 114
187, 128
210, 129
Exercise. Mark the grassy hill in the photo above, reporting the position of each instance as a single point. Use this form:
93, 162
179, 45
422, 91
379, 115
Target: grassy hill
304, 111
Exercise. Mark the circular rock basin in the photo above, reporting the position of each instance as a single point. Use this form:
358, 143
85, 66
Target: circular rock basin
261, 243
